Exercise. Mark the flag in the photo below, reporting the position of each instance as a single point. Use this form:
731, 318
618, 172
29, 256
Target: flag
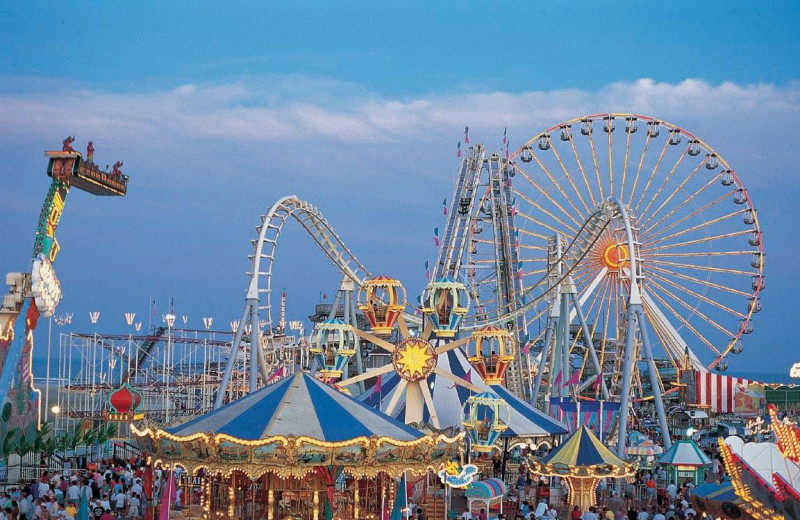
458, 153
505, 139
467, 378
526, 349
509, 180
427, 271
444, 207
557, 381
597, 382
275, 374
377, 387
466, 135
574, 380
436, 237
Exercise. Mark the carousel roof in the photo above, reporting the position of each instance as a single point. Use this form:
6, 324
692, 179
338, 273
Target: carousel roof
298, 405
685, 453
448, 398
582, 448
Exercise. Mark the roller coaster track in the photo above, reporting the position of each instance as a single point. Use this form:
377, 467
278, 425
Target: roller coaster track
334, 248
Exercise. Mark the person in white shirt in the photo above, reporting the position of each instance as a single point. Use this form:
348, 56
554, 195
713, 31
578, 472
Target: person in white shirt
591, 514
672, 490
466, 515
137, 487
74, 491
541, 510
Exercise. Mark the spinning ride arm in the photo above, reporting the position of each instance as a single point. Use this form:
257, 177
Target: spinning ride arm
36, 294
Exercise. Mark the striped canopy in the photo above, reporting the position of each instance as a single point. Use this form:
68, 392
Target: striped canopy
684, 453
448, 398
298, 405
486, 489
582, 448
645, 448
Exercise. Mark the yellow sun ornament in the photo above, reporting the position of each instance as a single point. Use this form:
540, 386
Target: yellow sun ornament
414, 359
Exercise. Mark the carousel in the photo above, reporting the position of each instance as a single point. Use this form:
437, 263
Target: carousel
582, 461
296, 449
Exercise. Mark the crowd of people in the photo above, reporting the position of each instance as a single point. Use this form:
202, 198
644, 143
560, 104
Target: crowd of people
110, 491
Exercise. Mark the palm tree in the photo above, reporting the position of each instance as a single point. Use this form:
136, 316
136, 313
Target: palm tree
88, 438
8, 442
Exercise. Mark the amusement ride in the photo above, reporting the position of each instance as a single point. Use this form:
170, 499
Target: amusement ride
604, 254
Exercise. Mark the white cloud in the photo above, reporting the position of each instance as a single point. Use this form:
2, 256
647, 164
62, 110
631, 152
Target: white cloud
294, 108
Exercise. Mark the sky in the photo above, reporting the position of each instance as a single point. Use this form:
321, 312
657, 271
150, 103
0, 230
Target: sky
219, 110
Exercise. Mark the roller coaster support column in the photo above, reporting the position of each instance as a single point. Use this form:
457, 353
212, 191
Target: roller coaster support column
237, 340
255, 345
655, 381
587, 338
548, 338
627, 372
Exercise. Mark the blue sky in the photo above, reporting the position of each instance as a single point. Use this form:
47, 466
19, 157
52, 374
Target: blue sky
218, 111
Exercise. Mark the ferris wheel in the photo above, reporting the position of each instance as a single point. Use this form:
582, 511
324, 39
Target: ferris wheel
698, 240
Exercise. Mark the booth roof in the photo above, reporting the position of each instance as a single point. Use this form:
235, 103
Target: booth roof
684, 453
582, 448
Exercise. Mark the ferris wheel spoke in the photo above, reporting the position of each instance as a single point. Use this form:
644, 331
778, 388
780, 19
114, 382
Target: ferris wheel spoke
546, 193
568, 130
706, 253
398, 391
610, 162
665, 182
706, 283
708, 268
712, 238
662, 336
540, 223
698, 295
687, 306
651, 177
385, 345
639, 168
650, 230
679, 189
594, 160
551, 215
369, 374
535, 235
568, 175
704, 224
684, 321
531, 247
625, 164
452, 345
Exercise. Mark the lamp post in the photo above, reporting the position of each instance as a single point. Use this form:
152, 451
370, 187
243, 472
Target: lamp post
207, 322
93, 317
61, 320
129, 319
169, 319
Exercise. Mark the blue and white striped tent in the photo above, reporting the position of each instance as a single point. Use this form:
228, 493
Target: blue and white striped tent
298, 405
448, 398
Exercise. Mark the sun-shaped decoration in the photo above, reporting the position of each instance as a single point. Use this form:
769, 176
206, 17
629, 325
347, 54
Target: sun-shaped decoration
607, 254
414, 359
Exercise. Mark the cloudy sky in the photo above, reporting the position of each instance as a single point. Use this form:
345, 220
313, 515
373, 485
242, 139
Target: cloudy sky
357, 108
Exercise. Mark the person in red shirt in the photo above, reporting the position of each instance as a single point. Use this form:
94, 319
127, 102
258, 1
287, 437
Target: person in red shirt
576, 513
107, 515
